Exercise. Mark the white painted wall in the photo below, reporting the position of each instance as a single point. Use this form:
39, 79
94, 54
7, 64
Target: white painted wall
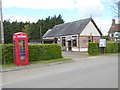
83, 49
77, 49
116, 34
90, 28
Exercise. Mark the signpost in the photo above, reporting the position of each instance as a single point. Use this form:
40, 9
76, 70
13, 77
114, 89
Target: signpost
102, 45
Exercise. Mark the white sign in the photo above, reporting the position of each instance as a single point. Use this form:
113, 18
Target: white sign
102, 43
21, 36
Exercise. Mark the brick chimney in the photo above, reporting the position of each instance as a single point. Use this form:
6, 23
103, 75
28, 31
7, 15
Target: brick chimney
113, 21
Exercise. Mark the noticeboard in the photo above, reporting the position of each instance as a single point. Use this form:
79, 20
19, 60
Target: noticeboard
102, 43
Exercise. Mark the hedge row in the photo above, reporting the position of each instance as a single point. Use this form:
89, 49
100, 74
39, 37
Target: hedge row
93, 48
111, 48
37, 52
8, 53
44, 52
0, 53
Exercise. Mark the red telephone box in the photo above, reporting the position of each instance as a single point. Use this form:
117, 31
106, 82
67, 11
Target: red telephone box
20, 48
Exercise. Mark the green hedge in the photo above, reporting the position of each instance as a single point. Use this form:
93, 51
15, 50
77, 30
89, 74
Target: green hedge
111, 47
93, 48
44, 52
119, 47
8, 53
37, 52
0, 53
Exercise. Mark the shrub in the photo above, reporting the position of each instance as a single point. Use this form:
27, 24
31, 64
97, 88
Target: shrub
8, 53
36, 52
44, 52
93, 48
0, 53
119, 47
111, 47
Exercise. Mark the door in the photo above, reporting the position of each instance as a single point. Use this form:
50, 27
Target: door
22, 50
55, 40
69, 46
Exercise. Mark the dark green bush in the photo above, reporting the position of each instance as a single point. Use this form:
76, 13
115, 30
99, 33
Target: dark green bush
37, 52
8, 53
93, 48
44, 52
119, 47
111, 47
0, 53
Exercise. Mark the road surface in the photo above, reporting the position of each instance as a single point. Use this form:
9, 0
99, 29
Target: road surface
84, 72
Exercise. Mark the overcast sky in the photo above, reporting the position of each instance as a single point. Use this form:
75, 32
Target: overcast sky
71, 10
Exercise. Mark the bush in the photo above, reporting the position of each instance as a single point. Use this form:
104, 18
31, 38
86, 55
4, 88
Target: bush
93, 48
119, 47
8, 53
44, 52
0, 53
111, 47
37, 52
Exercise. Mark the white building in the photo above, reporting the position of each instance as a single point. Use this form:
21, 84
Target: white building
74, 36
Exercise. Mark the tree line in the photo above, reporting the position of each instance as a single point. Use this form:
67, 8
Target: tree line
35, 30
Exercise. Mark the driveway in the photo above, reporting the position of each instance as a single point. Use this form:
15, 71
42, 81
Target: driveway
75, 55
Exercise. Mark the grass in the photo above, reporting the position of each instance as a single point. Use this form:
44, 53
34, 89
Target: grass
8, 65
40, 62
51, 61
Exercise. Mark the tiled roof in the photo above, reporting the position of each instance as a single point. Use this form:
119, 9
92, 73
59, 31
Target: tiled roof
114, 28
70, 28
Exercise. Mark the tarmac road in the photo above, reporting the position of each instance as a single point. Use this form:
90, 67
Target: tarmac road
85, 72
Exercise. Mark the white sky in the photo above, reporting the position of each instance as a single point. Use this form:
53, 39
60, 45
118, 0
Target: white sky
85, 8
52, 4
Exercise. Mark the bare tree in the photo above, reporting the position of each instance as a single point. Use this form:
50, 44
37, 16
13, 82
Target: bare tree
116, 8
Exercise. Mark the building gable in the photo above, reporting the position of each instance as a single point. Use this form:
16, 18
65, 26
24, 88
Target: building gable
90, 28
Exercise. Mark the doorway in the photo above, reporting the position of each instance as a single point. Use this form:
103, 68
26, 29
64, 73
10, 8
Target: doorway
69, 46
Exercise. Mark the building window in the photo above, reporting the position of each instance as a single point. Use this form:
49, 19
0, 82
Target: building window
74, 41
63, 41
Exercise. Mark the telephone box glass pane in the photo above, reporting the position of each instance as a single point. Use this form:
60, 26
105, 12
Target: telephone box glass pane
22, 50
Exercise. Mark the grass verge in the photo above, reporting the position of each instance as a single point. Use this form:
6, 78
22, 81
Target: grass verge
8, 65
41, 62
51, 61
